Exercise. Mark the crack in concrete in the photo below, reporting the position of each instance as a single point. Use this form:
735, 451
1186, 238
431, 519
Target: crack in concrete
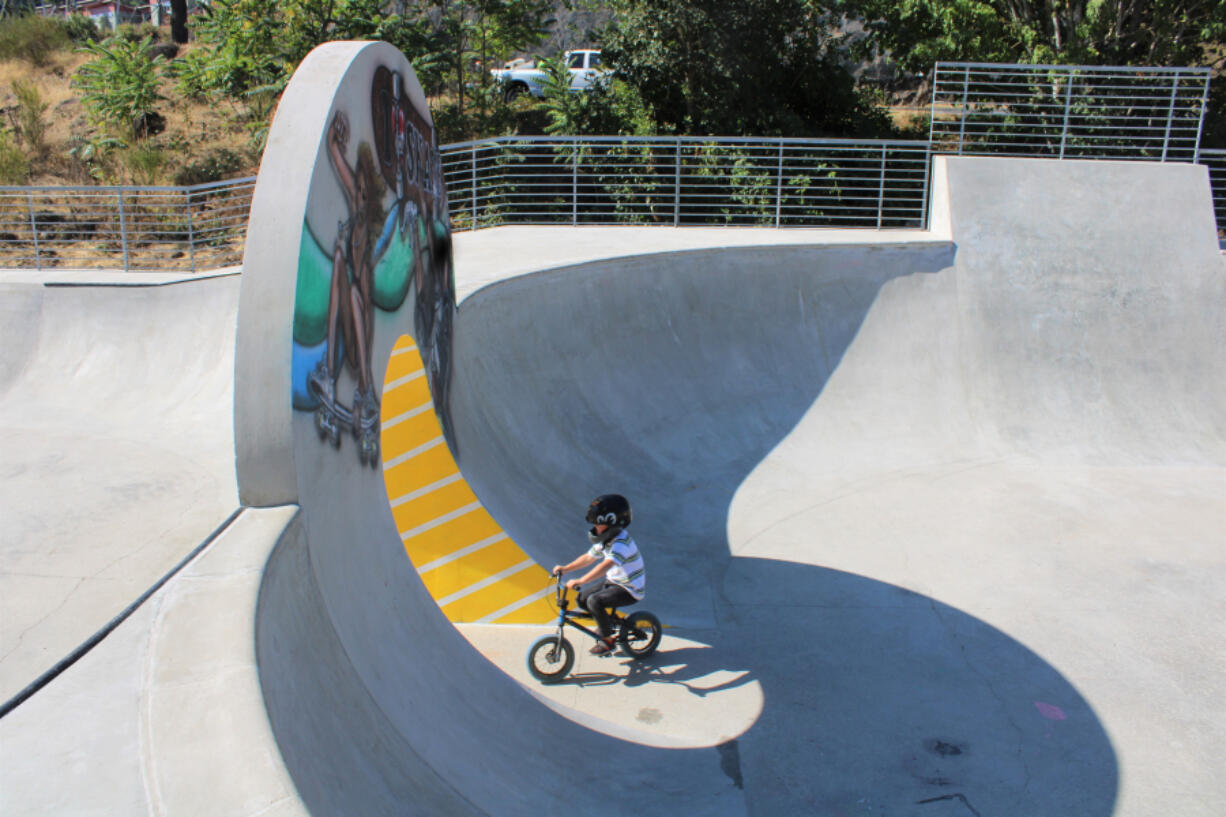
954, 796
991, 688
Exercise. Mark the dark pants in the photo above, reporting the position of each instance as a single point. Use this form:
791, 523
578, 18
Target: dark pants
607, 595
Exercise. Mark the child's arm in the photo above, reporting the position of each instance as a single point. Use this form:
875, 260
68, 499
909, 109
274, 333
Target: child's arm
595, 573
580, 562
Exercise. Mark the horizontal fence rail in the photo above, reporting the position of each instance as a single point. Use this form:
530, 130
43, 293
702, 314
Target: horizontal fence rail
683, 181
1064, 111
1022, 110
1215, 160
127, 228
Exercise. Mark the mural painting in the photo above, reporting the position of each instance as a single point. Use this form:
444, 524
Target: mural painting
385, 232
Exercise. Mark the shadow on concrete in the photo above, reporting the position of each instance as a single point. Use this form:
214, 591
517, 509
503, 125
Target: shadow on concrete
670, 379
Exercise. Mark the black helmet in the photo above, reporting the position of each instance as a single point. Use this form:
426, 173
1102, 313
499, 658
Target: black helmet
610, 509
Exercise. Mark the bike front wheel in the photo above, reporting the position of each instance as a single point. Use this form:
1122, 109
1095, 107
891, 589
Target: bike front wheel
640, 633
550, 659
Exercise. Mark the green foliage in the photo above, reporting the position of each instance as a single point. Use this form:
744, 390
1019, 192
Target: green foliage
14, 166
145, 163
216, 166
96, 153
32, 38
761, 67
607, 107
81, 29
119, 85
241, 49
31, 128
917, 33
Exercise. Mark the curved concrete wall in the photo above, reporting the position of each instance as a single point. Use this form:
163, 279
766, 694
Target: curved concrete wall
796, 427
378, 702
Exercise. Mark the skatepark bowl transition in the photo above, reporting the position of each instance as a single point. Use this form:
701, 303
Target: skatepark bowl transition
935, 520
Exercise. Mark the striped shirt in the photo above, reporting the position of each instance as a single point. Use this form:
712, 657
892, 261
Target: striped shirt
628, 570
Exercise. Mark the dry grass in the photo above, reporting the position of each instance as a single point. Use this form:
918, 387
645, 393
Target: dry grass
194, 130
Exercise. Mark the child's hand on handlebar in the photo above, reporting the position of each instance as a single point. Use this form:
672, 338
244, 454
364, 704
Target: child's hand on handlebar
557, 570
571, 584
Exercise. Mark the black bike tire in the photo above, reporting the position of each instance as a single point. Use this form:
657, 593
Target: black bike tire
653, 641
553, 676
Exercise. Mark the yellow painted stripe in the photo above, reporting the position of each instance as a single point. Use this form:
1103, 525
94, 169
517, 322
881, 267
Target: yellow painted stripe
467, 562
456, 576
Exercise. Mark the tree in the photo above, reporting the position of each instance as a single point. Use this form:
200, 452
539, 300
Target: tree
917, 33
178, 21
762, 67
250, 48
119, 85
475, 34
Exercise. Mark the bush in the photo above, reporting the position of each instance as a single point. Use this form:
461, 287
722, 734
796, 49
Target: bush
218, 166
144, 163
31, 38
31, 127
81, 29
14, 166
120, 85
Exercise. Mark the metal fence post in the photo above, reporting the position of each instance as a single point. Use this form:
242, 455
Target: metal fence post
1200, 125
123, 230
881, 188
574, 185
38, 260
191, 236
1068, 106
473, 202
677, 185
966, 87
779, 189
1170, 114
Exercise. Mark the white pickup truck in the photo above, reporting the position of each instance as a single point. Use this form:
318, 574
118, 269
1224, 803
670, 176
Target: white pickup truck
583, 64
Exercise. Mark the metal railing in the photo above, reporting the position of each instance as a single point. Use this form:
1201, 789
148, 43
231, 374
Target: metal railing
1024, 110
597, 180
1215, 160
127, 228
1069, 111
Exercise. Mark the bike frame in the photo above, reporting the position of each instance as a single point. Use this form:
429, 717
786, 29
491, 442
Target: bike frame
566, 616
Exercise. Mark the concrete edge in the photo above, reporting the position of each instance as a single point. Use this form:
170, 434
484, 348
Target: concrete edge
205, 731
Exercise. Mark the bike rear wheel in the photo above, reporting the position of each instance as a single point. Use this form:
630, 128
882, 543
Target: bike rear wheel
640, 633
550, 659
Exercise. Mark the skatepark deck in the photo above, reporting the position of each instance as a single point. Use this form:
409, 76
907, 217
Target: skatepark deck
936, 518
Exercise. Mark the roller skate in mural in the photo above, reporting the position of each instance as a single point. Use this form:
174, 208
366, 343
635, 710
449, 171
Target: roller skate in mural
394, 236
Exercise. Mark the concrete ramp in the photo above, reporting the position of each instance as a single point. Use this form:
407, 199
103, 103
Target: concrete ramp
115, 406
949, 504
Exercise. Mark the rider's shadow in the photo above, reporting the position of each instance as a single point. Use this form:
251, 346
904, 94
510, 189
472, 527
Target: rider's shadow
686, 666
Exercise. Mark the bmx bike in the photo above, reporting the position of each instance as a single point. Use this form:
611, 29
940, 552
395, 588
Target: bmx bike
551, 657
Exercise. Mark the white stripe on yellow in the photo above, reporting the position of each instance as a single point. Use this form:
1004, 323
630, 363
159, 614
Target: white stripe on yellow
410, 454
401, 381
486, 582
461, 553
429, 489
511, 608
439, 520
408, 415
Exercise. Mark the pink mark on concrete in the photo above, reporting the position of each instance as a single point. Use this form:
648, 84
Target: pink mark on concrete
1050, 711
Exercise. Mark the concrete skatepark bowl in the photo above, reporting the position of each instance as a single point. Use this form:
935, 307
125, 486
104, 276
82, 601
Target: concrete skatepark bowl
936, 518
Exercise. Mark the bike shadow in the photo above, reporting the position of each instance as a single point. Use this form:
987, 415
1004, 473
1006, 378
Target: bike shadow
698, 669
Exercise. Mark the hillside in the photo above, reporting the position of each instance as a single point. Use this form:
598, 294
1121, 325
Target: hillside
196, 135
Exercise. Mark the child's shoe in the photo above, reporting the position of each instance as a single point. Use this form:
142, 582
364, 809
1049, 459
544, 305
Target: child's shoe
603, 647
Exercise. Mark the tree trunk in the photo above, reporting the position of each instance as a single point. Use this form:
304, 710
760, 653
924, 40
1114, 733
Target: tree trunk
178, 21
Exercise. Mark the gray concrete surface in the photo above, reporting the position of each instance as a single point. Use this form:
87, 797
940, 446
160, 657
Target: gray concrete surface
939, 524
115, 407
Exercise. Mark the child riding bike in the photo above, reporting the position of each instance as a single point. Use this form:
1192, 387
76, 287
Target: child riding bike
616, 558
